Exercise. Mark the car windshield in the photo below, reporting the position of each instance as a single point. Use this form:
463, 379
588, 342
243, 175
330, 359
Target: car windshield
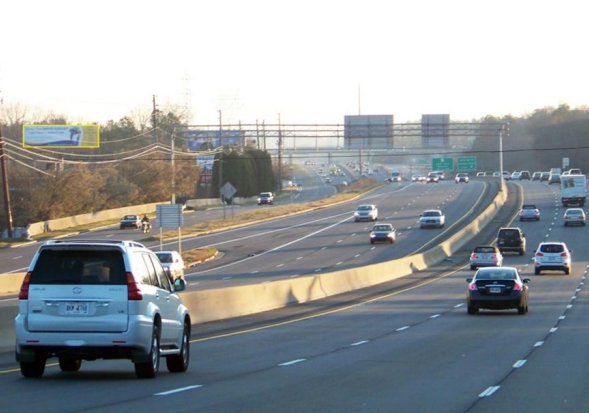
130, 217
364, 208
574, 212
431, 213
382, 228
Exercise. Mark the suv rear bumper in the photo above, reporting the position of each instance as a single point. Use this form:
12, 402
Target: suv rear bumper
133, 343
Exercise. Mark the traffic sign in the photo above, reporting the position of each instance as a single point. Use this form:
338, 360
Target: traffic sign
467, 163
443, 164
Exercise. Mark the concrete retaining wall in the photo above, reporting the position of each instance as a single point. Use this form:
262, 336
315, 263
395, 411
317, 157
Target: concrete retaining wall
217, 304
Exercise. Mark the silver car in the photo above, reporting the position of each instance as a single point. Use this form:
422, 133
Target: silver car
485, 256
574, 216
529, 212
432, 218
172, 262
88, 300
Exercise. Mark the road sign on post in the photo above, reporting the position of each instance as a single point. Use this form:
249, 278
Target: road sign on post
467, 163
443, 164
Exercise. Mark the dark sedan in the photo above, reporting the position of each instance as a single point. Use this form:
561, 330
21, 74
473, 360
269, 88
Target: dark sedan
499, 288
383, 233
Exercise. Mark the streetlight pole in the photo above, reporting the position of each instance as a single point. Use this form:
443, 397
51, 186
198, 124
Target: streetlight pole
221, 163
501, 180
173, 166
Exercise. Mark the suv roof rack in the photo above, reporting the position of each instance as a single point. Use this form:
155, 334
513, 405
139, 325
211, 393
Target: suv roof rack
96, 241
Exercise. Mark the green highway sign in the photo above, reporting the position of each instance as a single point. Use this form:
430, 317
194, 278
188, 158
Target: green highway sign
442, 164
467, 163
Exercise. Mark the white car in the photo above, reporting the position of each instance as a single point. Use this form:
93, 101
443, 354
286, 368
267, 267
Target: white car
432, 218
367, 212
172, 262
461, 177
552, 256
89, 300
574, 216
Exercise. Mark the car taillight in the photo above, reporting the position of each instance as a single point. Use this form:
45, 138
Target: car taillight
517, 287
24, 288
539, 254
564, 254
474, 256
473, 287
494, 256
133, 291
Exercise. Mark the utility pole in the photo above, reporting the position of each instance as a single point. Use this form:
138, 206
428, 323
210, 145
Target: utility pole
5, 185
173, 166
279, 155
221, 163
154, 121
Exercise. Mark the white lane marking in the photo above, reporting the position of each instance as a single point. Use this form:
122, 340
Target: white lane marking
519, 364
294, 276
299, 258
562, 317
290, 363
254, 272
359, 343
489, 391
181, 389
403, 328
318, 269
539, 344
458, 305
339, 263
226, 278
279, 265
8, 299
357, 255
553, 329
16, 258
435, 316
569, 306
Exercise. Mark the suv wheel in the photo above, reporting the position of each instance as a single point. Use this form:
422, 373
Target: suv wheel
149, 369
178, 363
33, 369
69, 364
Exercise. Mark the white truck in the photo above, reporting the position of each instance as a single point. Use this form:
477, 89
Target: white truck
573, 190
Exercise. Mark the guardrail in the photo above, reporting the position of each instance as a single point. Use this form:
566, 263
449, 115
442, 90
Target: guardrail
222, 303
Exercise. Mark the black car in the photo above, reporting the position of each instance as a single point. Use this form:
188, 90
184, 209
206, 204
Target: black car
499, 288
511, 240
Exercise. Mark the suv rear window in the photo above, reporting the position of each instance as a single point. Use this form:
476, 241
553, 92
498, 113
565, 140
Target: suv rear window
509, 233
72, 266
552, 248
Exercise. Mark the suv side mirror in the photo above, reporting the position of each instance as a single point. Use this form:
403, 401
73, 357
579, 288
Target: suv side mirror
179, 284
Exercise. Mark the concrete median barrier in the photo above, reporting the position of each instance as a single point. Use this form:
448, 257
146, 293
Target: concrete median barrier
218, 304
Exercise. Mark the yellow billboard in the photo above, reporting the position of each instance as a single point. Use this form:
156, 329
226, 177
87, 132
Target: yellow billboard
61, 136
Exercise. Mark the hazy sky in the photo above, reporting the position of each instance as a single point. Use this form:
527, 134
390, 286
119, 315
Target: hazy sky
309, 61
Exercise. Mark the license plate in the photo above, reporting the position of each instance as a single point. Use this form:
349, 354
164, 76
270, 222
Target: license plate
495, 290
551, 258
76, 308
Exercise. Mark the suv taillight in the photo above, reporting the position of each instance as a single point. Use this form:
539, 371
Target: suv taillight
133, 291
24, 288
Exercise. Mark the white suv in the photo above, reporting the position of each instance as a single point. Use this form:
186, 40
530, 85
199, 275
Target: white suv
87, 300
552, 255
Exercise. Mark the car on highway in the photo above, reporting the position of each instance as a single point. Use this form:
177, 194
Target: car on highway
172, 262
554, 179
574, 216
552, 256
524, 175
432, 218
266, 198
496, 175
433, 177
529, 212
441, 175
418, 178
515, 175
485, 256
383, 233
461, 177
536, 176
545, 176
500, 288
511, 239
367, 212
506, 176
108, 299
130, 221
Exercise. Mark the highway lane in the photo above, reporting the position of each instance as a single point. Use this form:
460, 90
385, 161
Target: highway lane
412, 350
